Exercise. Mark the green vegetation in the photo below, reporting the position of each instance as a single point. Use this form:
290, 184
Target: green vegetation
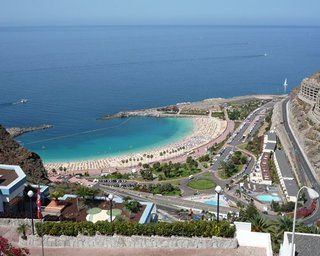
219, 115
187, 229
56, 194
233, 165
255, 145
268, 120
201, 184
169, 170
87, 192
194, 111
22, 229
117, 176
273, 172
204, 158
132, 205
216, 147
285, 207
166, 189
241, 111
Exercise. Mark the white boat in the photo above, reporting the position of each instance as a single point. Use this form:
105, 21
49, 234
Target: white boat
23, 101
265, 54
285, 84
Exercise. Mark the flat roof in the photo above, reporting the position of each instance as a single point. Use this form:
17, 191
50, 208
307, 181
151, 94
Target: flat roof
306, 244
271, 135
13, 178
270, 145
284, 165
291, 187
7, 176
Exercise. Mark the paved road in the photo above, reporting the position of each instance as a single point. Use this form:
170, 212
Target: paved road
171, 202
301, 161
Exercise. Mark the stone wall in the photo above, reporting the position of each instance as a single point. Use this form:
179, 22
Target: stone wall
129, 241
15, 222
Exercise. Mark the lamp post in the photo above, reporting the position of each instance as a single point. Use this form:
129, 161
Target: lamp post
110, 197
218, 190
314, 196
30, 195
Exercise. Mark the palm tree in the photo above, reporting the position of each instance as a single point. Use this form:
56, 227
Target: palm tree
22, 230
259, 224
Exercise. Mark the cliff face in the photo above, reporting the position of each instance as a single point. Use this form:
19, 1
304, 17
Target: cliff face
12, 153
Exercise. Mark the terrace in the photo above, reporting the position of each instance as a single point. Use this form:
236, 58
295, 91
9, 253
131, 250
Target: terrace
73, 208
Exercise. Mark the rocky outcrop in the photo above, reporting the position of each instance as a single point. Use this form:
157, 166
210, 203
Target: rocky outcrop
17, 131
12, 153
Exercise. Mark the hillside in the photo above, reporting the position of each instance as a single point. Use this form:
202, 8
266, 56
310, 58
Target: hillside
307, 129
12, 153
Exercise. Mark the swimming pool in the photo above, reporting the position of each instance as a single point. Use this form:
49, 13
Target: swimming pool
268, 198
209, 200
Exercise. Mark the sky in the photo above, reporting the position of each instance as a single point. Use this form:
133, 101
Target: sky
159, 12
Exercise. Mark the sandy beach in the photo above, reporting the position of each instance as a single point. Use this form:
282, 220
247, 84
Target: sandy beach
205, 130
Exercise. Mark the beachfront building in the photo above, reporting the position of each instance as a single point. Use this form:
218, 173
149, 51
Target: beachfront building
304, 244
287, 180
12, 184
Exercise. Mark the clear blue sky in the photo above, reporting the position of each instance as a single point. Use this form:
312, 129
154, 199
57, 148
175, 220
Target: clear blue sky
148, 12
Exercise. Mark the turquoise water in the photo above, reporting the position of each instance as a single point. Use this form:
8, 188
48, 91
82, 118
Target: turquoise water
268, 198
73, 75
117, 137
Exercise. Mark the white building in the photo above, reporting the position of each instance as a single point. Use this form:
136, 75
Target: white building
12, 180
286, 177
248, 238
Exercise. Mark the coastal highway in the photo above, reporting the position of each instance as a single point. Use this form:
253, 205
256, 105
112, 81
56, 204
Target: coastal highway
301, 162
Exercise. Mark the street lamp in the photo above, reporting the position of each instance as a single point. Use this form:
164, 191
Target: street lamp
110, 197
30, 195
314, 196
218, 190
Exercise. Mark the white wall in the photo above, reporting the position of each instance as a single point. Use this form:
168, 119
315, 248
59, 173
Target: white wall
253, 239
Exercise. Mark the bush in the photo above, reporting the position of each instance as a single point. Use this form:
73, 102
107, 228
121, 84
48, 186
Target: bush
188, 229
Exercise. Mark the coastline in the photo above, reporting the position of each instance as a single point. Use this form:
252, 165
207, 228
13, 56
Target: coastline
204, 130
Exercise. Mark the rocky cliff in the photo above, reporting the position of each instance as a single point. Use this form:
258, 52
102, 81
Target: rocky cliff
12, 153
307, 130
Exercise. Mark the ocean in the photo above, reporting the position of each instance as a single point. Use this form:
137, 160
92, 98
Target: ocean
73, 75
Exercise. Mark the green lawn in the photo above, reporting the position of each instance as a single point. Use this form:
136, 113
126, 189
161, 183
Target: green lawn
201, 184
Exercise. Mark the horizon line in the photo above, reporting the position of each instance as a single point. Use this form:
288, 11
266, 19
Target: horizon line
162, 25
